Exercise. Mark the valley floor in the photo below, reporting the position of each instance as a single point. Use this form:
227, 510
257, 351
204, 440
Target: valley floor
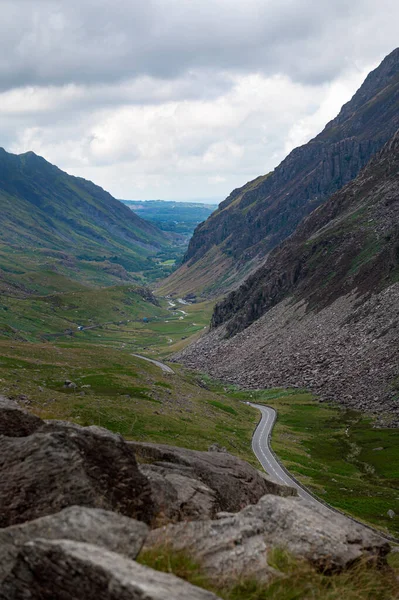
91, 377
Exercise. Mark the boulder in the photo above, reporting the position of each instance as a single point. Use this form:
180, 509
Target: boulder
238, 545
16, 422
64, 465
94, 526
178, 496
235, 483
67, 570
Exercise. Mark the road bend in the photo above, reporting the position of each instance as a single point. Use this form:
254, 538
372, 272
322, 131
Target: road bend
159, 364
261, 449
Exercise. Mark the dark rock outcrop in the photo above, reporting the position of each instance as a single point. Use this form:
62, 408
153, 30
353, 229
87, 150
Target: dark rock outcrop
233, 483
66, 570
254, 219
93, 526
238, 545
16, 422
350, 243
62, 465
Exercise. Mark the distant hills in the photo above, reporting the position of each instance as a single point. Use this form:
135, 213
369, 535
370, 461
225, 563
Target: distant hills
172, 216
254, 219
67, 227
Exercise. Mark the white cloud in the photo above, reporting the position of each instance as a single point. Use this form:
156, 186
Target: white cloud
179, 99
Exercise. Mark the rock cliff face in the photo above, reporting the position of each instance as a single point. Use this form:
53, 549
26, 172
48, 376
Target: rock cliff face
350, 243
322, 311
257, 217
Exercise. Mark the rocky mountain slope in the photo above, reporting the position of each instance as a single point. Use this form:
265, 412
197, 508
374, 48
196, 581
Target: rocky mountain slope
322, 312
67, 223
257, 217
77, 509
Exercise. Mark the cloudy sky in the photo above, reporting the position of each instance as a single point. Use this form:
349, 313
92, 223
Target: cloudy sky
180, 99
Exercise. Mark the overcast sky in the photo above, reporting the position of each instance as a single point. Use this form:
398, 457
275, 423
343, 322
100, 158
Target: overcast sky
180, 99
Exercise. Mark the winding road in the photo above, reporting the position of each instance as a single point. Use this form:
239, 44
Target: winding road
263, 452
268, 460
159, 364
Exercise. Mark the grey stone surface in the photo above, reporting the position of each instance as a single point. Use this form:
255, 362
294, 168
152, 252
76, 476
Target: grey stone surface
64, 465
233, 481
178, 496
81, 524
239, 544
66, 570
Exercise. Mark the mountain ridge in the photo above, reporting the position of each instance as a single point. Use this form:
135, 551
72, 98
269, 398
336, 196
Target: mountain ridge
273, 205
46, 211
321, 313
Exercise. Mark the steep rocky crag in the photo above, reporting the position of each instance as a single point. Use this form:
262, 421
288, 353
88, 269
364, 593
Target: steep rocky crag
322, 312
254, 219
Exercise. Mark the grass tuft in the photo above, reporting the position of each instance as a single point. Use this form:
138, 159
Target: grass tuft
300, 580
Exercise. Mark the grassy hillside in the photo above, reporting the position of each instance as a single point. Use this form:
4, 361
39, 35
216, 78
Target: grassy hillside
118, 316
125, 394
53, 221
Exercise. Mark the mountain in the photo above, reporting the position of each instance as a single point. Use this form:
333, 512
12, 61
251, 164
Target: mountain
322, 312
254, 219
51, 220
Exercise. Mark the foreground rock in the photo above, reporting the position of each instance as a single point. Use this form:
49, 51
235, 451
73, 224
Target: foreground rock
94, 526
65, 570
63, 465
179, 497
224, 482
15, 422
238, 545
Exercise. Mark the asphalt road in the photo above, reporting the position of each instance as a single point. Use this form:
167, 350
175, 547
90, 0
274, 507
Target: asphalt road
261, 448
164, 368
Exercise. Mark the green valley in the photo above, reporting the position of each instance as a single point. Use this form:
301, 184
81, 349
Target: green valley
175, 217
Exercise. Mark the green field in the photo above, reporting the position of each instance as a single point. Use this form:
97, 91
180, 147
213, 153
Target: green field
119, 316
125, 394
